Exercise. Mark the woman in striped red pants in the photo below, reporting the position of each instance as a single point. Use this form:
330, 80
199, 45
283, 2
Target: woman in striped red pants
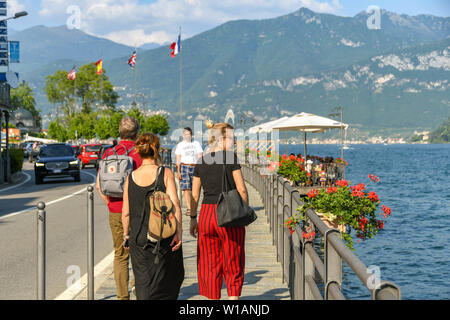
220, 251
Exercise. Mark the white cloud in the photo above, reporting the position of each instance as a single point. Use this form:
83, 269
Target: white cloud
138, 37
15, 6
133, 22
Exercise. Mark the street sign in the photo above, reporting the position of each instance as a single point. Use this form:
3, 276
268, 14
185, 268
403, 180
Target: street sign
14, 52
3, 8
4, 60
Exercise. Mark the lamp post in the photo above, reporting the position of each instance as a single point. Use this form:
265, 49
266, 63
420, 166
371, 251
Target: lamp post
16, 16
144, 100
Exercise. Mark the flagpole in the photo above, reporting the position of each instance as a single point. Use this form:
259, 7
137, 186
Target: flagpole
134, 71
181, 83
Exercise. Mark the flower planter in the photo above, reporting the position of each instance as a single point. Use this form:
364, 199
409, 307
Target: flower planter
331, 222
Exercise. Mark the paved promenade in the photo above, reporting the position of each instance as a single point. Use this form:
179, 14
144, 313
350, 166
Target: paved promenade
262, 280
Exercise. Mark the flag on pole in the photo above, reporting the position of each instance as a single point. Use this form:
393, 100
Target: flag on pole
99, 65
72, 74
176, 47
132, 60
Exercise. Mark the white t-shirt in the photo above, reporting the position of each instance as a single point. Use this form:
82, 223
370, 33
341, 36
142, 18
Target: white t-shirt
189, 151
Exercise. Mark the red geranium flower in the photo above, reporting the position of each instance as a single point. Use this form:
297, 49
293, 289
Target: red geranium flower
312, 193
373, 196
332, 190
342, 183
386, 210
357, 193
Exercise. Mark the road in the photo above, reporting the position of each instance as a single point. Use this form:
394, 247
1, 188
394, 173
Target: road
66, 234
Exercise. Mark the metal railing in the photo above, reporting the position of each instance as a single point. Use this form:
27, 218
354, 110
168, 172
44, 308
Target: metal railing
303, 269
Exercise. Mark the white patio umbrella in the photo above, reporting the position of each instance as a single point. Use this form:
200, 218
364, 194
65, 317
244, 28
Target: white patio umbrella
307, 122
266, 126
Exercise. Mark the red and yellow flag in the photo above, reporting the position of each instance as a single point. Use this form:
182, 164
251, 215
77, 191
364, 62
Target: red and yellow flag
99, 65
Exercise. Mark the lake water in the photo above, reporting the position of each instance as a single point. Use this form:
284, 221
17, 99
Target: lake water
413, 250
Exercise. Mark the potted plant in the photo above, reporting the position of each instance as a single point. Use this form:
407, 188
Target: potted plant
292, 169
347, 208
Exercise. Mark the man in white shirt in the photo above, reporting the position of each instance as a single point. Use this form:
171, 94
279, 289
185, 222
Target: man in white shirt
188, 152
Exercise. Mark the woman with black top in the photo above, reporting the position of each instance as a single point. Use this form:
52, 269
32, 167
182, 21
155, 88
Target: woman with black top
220, 251
162, 280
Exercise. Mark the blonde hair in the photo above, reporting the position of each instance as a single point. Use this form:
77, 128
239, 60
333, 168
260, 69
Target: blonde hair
218, 130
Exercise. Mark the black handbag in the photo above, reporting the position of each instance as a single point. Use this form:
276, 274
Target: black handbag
231, 210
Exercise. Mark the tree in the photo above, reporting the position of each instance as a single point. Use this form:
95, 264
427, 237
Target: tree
84, 125
107, 126
138, 115
91, 90
441, 134
61, 91
157, 124
94, 89
23, 97
58, 131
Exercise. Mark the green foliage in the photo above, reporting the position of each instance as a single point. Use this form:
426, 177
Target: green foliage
16, 156
89, 90
11, 126
441, 134
292, 168
58, 131
23, 97
353, 206
83, 124
156, 124
37, 134
107, 126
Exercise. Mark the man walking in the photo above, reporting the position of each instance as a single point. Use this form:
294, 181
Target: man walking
128, 130
188, 152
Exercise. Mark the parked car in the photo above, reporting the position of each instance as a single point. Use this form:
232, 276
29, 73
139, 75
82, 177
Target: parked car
56, 160
26, 147
76, 149
34, 152
89, 155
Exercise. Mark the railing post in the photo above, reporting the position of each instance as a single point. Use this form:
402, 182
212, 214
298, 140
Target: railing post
308, 271
90, 236
297, 269
275, 213
270, 200
41, 220
386, 291
333, 264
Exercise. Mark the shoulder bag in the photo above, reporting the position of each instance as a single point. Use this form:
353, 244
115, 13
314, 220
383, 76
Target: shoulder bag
231, 209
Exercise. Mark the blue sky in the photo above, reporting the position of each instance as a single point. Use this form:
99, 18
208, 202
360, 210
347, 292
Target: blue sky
134, 22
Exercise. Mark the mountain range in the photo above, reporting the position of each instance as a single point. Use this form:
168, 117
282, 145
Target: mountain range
393, 77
